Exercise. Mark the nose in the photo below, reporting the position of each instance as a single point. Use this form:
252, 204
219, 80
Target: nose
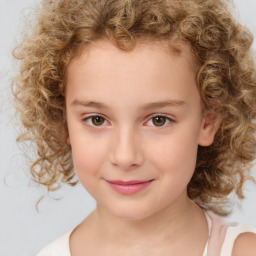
126, 152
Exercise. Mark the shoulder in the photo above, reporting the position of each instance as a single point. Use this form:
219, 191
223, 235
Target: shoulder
58, 247
245, 245
240, 240
233, 239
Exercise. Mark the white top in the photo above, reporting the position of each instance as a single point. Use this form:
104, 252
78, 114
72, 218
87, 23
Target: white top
220, 242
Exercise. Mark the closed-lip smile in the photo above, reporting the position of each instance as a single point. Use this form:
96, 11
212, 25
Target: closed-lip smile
128, 187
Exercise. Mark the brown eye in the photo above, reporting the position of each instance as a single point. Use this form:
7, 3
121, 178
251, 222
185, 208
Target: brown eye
159, 121
94, 120
97, 120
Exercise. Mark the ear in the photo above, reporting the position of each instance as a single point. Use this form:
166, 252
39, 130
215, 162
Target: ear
209, 127
66, 134
68, 140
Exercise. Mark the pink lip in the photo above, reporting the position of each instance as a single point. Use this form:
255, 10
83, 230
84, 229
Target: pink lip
128, 187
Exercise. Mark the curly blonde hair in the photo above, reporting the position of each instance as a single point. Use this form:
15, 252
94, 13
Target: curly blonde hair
226, 80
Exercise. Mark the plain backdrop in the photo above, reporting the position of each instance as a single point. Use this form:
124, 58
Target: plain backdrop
23, 229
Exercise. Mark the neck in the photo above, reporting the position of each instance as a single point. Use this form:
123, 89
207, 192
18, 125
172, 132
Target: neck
170, 224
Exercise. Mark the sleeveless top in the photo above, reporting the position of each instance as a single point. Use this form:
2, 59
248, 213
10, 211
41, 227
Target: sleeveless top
220, 242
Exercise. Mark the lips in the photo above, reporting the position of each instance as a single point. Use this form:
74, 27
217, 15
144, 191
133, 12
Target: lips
128, 187
131, 182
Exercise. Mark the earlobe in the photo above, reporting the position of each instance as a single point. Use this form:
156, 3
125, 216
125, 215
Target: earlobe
68, 140
66, 135
209, 127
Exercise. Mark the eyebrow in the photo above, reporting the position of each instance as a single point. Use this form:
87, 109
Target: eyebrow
151, 105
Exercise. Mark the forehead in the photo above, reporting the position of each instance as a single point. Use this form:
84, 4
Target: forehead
149, 73
102, 65
101, 48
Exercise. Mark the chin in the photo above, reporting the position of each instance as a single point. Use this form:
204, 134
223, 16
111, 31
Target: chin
131, 213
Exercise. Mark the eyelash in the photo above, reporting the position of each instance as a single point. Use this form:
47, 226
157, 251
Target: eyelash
154, 116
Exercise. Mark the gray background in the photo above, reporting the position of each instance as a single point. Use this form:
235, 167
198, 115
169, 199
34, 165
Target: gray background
23, 230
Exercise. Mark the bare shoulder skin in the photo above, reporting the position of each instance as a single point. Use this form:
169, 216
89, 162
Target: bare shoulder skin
245, 245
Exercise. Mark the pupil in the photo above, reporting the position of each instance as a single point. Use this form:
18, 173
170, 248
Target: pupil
159, 120
97, 120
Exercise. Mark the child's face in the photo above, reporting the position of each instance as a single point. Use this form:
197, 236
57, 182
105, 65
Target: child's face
125, 142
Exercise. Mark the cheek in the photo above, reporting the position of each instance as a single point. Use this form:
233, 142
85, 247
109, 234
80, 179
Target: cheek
175, 160
88, 154
175, 154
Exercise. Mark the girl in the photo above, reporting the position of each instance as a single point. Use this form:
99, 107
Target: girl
152, 103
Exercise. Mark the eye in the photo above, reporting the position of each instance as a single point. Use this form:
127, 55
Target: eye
160, 120
95, 120
157, 120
